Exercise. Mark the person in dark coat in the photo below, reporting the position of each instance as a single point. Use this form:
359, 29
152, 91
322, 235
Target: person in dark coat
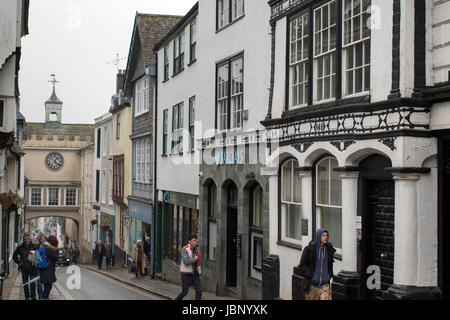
48, 275
70, 253
99, 252
76, 255
21, 256
39, 288
108, 255
148, 252
316, 267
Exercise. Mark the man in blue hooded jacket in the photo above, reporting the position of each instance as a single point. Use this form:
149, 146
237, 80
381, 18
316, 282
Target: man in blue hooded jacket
316, 267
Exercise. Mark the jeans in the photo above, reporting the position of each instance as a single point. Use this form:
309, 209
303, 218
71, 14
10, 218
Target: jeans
27, 276
188, 280
47, 289
39, 284
100, 261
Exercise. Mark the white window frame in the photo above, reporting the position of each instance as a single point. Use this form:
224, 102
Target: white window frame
299, 66
320, 205
141, 99
321, 56
222, 98
76, 197
105, 141
192, 123
237, 95
48, 197
352, 44
31, 197
177, 129
147, 163
285, 204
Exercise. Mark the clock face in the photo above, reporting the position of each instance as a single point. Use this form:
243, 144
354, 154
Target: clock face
54, 161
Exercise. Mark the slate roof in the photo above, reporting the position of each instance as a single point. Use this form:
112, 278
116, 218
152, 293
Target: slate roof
152, 28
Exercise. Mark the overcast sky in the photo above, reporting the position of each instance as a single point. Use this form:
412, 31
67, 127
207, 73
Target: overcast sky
75, 39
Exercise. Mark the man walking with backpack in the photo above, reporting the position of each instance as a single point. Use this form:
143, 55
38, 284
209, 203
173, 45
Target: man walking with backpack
190, 269
23, 257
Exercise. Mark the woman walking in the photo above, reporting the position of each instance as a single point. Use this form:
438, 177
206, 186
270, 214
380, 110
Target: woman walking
48, 275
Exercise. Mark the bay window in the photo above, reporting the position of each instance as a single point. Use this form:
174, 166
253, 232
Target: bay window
356, 46
299, 64
329, 200
291, 203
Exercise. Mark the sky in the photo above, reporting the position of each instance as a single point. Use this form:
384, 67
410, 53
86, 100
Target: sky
76, 39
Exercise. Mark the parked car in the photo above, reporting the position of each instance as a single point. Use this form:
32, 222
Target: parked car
63, 257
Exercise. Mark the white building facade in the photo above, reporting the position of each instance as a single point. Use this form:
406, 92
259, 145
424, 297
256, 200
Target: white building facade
356, 96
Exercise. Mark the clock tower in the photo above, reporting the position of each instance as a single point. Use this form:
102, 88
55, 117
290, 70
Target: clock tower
53, 108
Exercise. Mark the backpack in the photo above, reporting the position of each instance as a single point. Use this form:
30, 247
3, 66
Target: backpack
40, 260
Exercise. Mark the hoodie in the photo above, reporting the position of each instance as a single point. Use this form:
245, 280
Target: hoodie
321, 275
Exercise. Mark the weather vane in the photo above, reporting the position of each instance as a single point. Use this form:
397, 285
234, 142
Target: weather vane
53, 81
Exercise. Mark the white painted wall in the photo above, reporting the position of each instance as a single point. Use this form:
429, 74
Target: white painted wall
176, 172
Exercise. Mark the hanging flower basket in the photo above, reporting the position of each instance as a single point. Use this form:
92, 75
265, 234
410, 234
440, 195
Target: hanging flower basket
106, 227
8, 199
94, 221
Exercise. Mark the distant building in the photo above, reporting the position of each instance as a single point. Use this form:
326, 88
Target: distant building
54, 167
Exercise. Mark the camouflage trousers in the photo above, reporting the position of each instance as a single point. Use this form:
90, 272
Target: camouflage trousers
319, 293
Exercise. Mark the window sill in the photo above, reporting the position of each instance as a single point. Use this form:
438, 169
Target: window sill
230, 23
140, 114
192, 62
164, 155
289, 245
178, 72
165, 80
256, 229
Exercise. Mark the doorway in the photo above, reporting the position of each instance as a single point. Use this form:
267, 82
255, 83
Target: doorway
232, 222
377, 210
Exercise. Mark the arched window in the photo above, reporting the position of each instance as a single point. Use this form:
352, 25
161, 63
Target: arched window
329, 200
291, 203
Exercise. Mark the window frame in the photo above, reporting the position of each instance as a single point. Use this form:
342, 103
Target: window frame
192, 123
141, 96
231, 20
118, 126
227, 116
165, 131
193, 41
178, 57
66, 190
41, 200
316, 204
177, 129
166, 63
48, 197
2, 112
285, 205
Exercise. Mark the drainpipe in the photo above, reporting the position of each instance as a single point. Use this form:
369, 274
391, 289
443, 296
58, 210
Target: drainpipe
155, 155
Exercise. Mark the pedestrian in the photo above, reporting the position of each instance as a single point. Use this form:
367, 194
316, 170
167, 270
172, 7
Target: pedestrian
148, 252
48, 274
139, 258
76, 255
23, 257
99, 253
39, 287
70, 253
108, 255
190, 269
316, 267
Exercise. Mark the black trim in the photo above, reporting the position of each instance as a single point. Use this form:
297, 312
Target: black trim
396, 17
326, 110
438, 93
303, 169
419, 45
419, 170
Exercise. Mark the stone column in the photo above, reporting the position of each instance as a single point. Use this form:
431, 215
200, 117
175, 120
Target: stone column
346, 284
406, 259
406, 229
271, 264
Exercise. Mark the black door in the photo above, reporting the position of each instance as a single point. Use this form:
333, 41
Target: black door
5, 239
231, 247
378, 231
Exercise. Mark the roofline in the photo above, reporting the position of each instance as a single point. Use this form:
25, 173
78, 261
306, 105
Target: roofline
178, 26
133, 37
64, 124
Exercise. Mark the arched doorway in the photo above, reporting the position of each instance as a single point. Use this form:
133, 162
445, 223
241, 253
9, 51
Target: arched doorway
232, 224
376, 206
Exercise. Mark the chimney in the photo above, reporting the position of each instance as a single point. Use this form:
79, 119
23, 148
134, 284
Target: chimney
120, 80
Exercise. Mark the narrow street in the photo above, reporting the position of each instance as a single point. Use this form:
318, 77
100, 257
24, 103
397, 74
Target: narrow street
95, 286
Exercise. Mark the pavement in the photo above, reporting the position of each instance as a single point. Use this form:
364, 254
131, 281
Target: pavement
161, 288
